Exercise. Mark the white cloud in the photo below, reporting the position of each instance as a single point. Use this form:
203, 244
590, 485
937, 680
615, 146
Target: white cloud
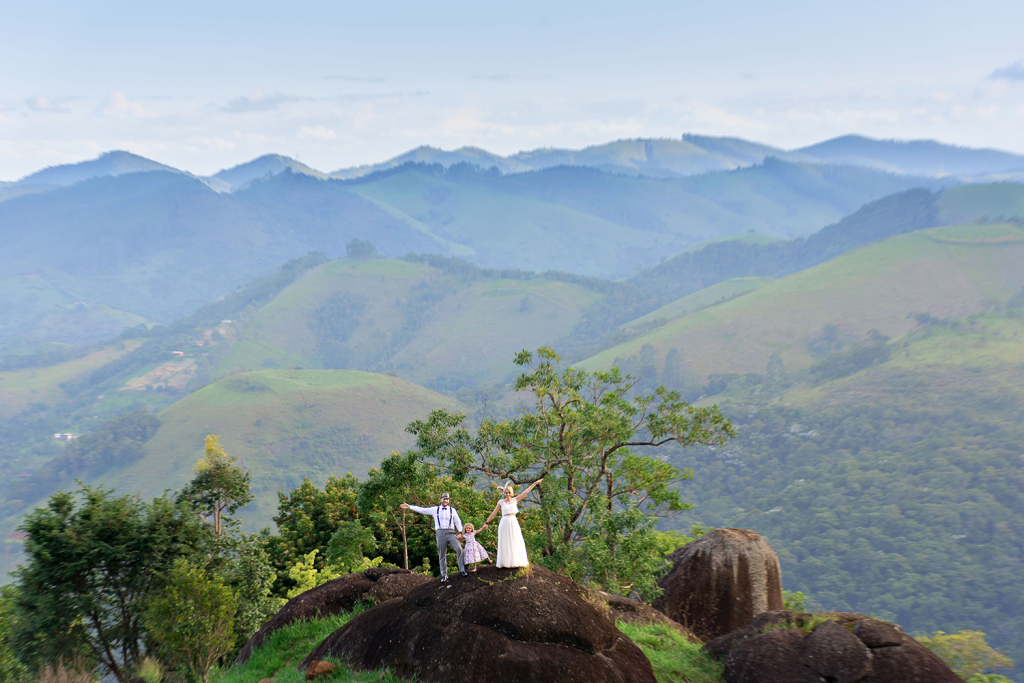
1010, 72
41, 103
258, 100
117, 104
317, 133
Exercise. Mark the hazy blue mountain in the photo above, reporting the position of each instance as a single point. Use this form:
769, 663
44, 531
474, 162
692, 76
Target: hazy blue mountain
654, 158
925, 157
240, 176
117, 162
432, 155
161, 244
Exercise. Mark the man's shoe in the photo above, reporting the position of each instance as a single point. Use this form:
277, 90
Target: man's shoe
463, 573
444, 579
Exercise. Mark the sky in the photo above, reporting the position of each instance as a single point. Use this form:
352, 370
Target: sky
206, 85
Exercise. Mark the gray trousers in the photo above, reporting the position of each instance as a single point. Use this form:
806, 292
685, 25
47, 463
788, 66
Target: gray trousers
447, 538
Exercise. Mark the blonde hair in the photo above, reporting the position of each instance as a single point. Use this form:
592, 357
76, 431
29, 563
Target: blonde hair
507, 487
469, 525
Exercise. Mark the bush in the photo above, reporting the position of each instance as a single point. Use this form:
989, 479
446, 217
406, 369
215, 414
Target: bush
966, 653
192, 619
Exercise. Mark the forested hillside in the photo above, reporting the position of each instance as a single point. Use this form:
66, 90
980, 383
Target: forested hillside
892, 486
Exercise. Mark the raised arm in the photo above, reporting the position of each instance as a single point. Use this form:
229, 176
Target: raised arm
417, 508
522, 495
497, 506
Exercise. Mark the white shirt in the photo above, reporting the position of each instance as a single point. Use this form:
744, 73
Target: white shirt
444, 517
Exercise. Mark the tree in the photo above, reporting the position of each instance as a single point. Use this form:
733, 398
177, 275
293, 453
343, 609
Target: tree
10, 668
405, 478
192, 619
966, 652
360, 249
219, 485
93, 560
246, 569
579, 437
306, 519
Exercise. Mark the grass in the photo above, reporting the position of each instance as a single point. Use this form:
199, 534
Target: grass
673, 657
281, 653
876, 286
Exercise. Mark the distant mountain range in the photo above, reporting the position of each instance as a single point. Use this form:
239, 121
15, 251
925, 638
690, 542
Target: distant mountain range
653, 158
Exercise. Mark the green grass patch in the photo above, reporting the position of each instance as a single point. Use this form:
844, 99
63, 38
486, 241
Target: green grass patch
280, 654
674, 658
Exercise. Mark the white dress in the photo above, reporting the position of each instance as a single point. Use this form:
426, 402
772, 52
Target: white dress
511, 546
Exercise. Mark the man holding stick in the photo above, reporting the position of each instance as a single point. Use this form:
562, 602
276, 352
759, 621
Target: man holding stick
447, 527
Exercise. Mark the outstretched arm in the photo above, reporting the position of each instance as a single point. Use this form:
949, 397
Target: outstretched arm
417, 508
493, 512
522, 495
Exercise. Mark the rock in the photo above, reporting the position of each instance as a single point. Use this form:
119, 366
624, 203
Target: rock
769, 657
720, 582
335, 596
910, 662
722, 645
396, 585
875, 633
773, 648
318, 669
835, 653
497, 623
635, 612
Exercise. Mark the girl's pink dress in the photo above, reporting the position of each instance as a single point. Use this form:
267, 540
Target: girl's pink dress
474, 552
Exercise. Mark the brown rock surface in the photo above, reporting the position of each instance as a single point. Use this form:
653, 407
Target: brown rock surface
875, 633
720, 582
773, 648
334, 597
835, 653
768, 657
318, 669
496, 623
396, 585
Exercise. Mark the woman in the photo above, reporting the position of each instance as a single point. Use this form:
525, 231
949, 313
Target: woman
511, 546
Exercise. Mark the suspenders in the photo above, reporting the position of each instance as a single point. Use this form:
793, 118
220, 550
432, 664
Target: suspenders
450, 517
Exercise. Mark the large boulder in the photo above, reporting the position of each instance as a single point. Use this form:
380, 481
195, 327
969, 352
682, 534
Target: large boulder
513, 625
720, 582
841, 647
337, 596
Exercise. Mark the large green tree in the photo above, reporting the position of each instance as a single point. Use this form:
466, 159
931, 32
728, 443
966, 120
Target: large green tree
92, 561
307, 518
220, 486
599, 497
405, 478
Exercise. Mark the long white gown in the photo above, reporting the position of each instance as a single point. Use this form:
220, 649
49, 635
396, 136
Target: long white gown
511, 546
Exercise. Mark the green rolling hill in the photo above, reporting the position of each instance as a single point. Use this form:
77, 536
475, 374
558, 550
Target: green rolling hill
283, 424
947, 271
420, 322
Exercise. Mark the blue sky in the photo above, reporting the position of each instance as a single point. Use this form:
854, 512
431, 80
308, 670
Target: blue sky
206, 85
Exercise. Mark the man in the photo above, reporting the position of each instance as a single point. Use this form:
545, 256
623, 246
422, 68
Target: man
446, 524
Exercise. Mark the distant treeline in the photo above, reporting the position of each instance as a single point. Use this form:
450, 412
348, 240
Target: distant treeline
692, 271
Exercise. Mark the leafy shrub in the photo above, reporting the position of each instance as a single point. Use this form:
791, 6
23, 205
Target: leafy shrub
966, 652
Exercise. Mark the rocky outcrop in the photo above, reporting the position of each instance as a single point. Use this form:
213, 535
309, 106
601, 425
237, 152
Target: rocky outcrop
782, 647
337, 596
719, 582
511, 625
634, 612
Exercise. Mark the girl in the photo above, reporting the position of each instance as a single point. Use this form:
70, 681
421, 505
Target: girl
474, 551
